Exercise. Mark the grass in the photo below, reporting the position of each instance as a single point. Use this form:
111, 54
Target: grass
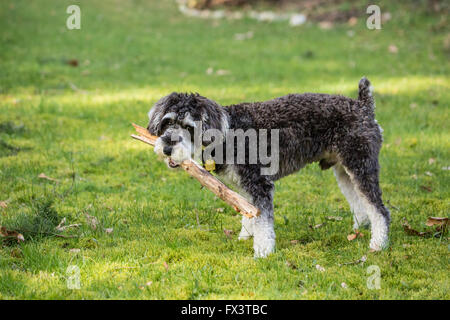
73, 125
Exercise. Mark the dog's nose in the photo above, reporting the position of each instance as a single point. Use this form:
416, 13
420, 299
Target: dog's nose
167, 150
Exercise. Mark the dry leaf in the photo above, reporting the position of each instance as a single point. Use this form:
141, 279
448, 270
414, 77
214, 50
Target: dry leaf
320, 268
3, 204
334, 218
413, 232
317, 226
355, 235
228, 233
325, 25
386, 16
59, 226
43, 176
433, 221
291, 265
11, 234
166, 266
222, 72
92, 221
393, 48
361, 260
73, 62
352, 21
294, 241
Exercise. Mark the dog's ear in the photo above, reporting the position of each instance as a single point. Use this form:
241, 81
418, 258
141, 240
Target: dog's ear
158, 111
211, 114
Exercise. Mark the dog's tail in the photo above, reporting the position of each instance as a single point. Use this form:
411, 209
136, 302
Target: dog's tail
365, 95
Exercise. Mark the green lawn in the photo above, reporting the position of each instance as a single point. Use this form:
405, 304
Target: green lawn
73, 125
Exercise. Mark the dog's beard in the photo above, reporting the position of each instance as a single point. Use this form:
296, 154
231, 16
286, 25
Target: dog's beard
181, 151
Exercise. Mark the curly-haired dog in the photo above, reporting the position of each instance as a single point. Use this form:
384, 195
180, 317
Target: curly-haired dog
336, 131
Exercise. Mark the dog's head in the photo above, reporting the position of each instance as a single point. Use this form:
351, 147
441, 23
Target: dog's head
177, 118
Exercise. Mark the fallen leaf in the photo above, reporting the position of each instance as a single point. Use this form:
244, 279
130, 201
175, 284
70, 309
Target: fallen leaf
166, 266
43, 176
222, 72
334, 218
3, 204
393, 49
410, 231
386, 16
361, 260
294, 241
228, 233
352, 21
355, 235
433, 221
317, 226
291, 265
59, 226
73, 62
92, 221
11, 234
325, 25
320, 268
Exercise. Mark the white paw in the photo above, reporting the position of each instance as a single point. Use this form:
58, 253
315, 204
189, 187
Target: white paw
378, 244
263, 247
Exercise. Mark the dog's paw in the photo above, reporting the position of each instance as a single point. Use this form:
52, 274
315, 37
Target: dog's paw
378, 245
263, 248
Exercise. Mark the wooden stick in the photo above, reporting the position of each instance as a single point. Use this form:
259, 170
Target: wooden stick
234, 199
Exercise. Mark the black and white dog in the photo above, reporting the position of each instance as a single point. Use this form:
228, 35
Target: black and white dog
338, 132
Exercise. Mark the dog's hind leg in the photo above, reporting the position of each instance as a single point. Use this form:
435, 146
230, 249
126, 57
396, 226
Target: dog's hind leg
360, 217
365, 182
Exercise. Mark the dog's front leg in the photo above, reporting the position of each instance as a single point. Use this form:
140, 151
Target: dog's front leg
263, 236
263, 232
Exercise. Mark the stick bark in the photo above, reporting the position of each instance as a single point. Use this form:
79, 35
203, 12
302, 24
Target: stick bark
206, 179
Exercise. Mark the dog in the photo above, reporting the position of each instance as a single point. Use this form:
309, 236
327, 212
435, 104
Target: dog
336, 131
